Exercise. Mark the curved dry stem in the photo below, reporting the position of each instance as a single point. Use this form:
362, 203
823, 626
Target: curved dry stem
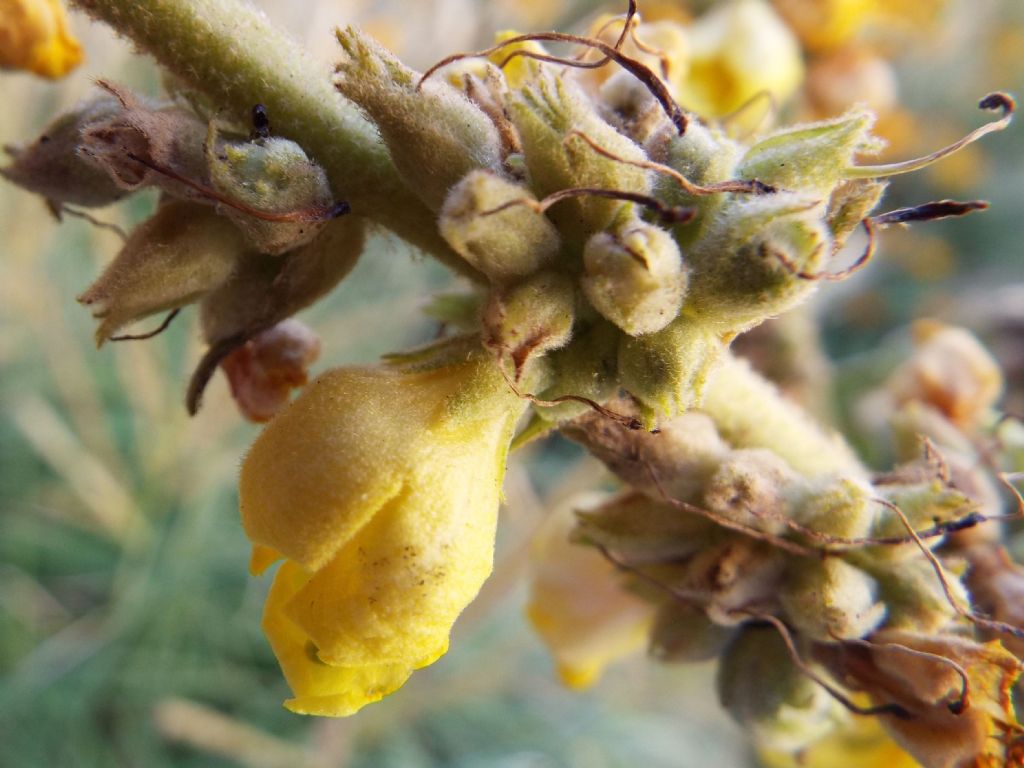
753, 187
667, 214
1001, 101
639, 70
151, 334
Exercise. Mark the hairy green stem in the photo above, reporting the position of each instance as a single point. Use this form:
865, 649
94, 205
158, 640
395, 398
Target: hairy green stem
229, 51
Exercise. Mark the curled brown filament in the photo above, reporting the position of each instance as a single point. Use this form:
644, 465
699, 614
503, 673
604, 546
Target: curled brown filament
639, 70
753, 187
312, 214
667, 214
1001, 101
861, 262
963, 699
151, 334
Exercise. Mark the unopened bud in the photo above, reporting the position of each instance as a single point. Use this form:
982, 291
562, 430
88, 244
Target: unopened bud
180, 253
838, 507
913, 594
830, 599
270, 176
434, 134
505, 245
753, 487
765, 692
635, 277
530, 318
264, 371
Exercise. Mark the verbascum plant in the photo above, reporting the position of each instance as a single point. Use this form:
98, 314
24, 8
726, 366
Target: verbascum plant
615, 242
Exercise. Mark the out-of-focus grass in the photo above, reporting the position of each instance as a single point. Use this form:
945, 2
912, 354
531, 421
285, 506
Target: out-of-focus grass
128, 624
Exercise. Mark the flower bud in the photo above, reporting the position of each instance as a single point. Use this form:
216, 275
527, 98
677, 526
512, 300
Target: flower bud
530, 318
634, 276
830, 599
753, 259
666, 371
263, 372
769, 696
912, 593
752, 487
586, 367
180, 253
506, 245
434, 134
51, 166
684, 634
810, 159
924, 505
544, 113
36, 38
272, 176
839, 507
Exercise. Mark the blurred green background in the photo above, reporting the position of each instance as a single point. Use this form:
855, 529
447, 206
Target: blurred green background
129, 627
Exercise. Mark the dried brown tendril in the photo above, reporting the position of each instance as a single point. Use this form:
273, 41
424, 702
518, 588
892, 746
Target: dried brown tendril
667, 214
151, 334
861, 262
753, 187
640, 71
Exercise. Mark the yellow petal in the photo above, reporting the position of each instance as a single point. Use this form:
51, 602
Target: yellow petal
34, 36
320, 689
578, 605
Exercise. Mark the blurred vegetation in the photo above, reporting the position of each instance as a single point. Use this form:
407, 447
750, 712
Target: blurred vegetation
129, 627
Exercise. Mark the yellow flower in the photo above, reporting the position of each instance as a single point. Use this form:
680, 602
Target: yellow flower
34, 36
380, 486
739, 49
861, 742
578, 605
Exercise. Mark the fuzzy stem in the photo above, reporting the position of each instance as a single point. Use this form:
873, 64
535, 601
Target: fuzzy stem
229, 51
750, 412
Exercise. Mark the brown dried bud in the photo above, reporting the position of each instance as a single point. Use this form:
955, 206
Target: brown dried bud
263, 372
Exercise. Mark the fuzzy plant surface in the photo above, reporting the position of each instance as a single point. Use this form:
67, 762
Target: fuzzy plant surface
615, 235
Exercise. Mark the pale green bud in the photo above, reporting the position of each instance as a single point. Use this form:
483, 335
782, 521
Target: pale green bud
830, 599
839, 507
506, 245
435, 135
811, 159
924, 505
752, 487
530, 318
766, 693
641, 530
271, 176
51, 165
666, 371
180, 253
634, 276
755, 259
544, 114
684, 634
